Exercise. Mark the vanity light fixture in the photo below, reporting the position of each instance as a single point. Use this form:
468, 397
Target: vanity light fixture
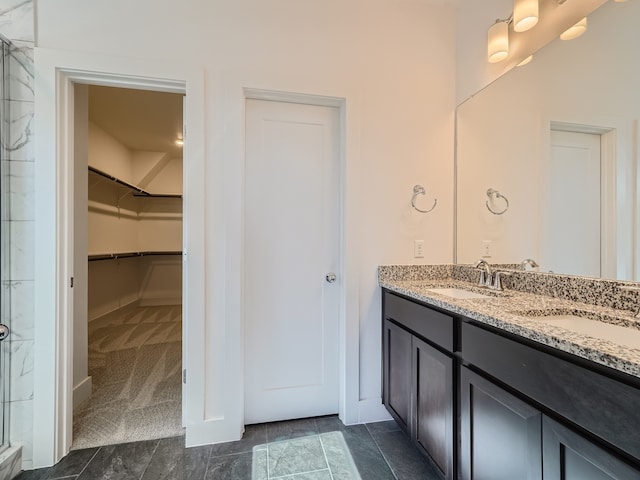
575, 31
525, 15
498, 41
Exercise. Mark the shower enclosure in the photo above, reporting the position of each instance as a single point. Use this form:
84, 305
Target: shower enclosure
5, 257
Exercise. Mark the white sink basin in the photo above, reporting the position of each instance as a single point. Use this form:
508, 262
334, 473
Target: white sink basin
626, 336
459, 293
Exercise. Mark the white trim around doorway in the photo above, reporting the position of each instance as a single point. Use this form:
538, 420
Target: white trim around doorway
56, 74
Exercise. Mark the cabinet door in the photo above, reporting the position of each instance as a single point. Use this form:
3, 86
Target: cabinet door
569, 456
432, 419
397, 373
501, 434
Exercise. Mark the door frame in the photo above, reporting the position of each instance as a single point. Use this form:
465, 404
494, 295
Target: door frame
56, 74
340, 104
618, 177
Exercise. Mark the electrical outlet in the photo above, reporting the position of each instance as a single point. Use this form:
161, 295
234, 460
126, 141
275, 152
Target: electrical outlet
486, 249
418, 248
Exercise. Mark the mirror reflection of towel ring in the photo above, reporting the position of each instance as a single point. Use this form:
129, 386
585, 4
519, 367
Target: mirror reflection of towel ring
491, 192
419, 190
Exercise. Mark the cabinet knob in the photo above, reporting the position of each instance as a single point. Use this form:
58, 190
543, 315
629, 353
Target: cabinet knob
330, 277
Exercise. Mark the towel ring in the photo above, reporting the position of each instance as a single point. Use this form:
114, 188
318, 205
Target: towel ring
419, 190
491, 192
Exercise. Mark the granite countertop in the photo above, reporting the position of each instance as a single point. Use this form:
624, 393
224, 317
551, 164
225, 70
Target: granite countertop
514, 311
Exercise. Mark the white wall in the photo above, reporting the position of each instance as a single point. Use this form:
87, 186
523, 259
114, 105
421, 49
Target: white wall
112, 284
160, 280
108, 154
157, 172
393, 61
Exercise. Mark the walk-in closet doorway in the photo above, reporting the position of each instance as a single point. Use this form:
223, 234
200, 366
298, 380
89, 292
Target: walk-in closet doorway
127, 353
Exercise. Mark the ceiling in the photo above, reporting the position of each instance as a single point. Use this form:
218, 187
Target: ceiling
139, 119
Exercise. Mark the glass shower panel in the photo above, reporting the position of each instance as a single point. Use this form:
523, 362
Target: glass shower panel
5, 257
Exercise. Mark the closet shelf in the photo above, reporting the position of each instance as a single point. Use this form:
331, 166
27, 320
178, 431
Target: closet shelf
139, 192
116, 256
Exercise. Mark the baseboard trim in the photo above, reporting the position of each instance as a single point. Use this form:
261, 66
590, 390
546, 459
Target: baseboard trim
81, 392
372, 410
131, 304
27, 464
160, 301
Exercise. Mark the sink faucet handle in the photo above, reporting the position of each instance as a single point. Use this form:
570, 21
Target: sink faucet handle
497, 279
485, 272
632, 288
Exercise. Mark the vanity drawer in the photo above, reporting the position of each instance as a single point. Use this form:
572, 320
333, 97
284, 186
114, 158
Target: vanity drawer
604, 406
429, 324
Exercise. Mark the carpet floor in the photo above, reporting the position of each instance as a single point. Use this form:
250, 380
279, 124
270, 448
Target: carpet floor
135, 361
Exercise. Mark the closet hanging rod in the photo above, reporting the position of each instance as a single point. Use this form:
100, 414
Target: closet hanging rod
117, 256
140, 192
158, 195
117, 180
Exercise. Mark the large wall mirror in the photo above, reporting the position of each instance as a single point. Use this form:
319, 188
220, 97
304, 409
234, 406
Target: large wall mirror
558, 139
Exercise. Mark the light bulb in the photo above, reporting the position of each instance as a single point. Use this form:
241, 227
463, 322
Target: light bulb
525, 61
525, 15
498, 42
575, 31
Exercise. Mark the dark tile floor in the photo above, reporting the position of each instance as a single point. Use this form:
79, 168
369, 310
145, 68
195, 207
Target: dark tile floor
308, 449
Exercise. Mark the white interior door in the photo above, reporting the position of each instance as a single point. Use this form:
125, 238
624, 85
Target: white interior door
574, 205
292, 242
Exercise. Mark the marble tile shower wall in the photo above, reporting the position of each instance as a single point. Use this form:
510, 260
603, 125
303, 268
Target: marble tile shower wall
17, 25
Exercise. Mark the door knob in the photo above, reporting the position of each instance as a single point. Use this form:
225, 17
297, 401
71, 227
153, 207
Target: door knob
331, 277
4, 332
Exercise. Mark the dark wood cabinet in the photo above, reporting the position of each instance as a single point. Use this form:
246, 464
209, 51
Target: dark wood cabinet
569, 456
500, 434
397, 373
418, 378
433, 416
600, 402
488, 405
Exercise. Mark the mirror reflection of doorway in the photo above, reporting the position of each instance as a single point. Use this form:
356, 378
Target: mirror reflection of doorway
128, 234
574, 201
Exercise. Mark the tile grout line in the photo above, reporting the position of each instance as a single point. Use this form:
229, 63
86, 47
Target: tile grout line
324, 452
150, 459
268, 472
266, 434
90, 460
293, 475
206, 470
381, 452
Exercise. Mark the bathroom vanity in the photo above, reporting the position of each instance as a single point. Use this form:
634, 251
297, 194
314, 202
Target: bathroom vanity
497, 385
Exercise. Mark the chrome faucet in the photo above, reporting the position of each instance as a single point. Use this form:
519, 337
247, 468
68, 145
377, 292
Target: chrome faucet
632, 288
528, 261
485, 272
